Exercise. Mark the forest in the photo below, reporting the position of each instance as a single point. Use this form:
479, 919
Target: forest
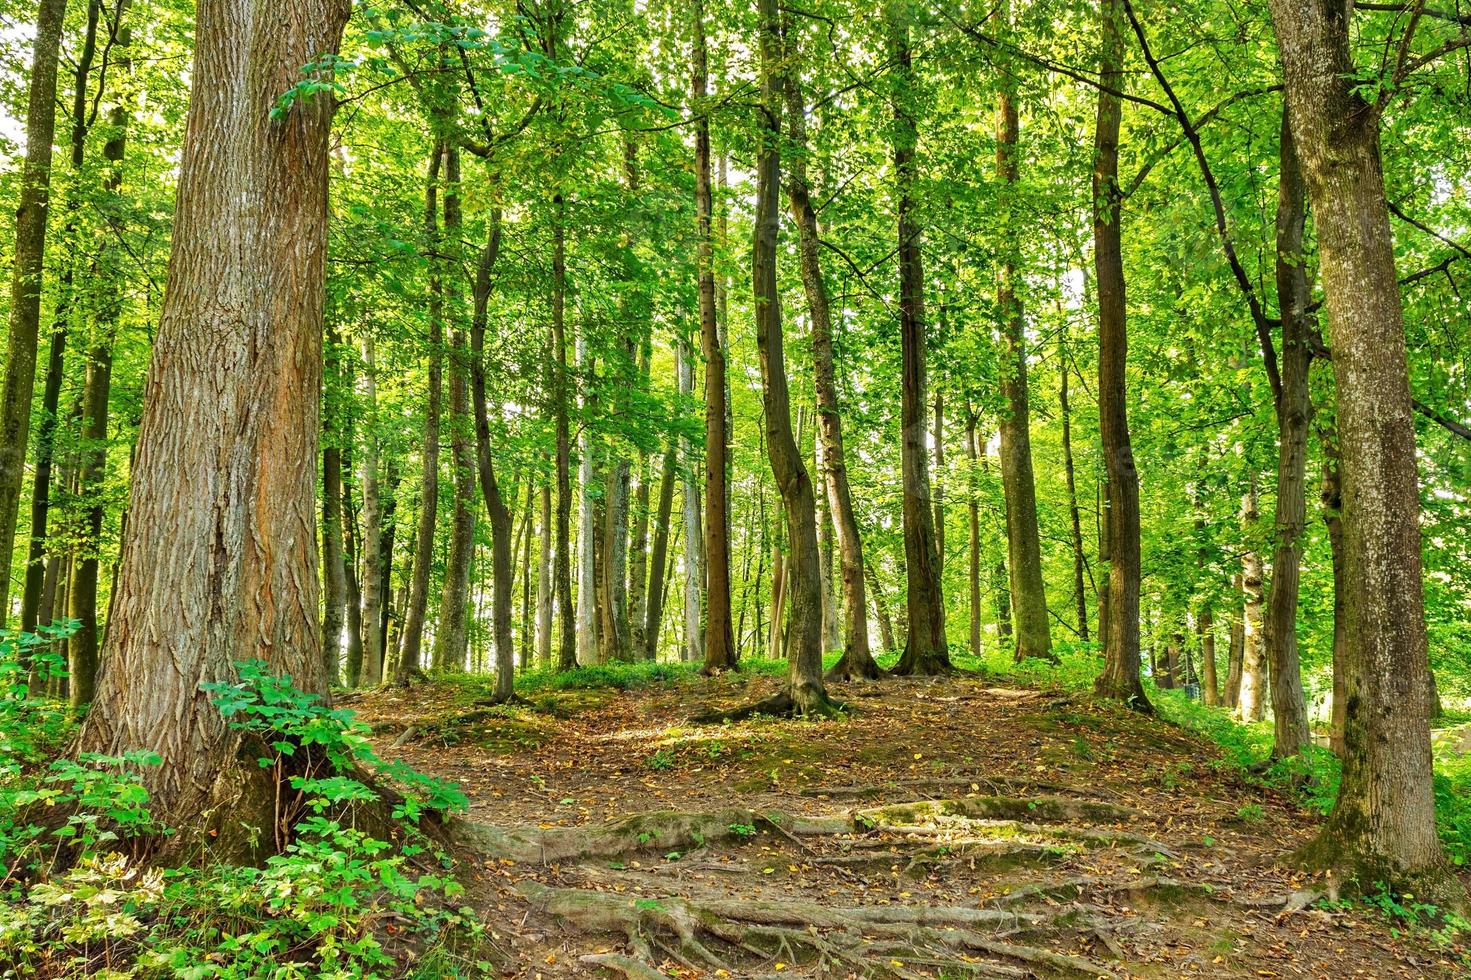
668, 489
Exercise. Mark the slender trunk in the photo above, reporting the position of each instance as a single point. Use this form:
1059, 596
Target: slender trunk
567, 644
416, 612
1080, 561
694, 574
27, 264
353, 597
528, 580
220, 542
805, 694
1235, 647
108, 273
938, 437
776, 616
451, 633
1205, 627
1000, 581
925, 647
1251, 702
544, 582
880, 609
587, 550
657, 562
490, 491
1332, 508
373, 550
1120, 676
720, 651
1294, 413
638, 561
334, 573
973, 506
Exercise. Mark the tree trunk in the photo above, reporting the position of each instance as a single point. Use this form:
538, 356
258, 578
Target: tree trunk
657, 561
880, 608
938, 438
1251, 702
374, 587
417, 609
1294, 413
925, 648
805, 694
587, 550
27, 264
1235, 648
1120, 677
694, 565
720, 652
334, 573
857, 660
353, 597
567, 646
490, 491
1205, 628
108, 273
973, 506
1382, 832
638, 561
451, 638
544, 582
1024, 543
221, 542
1332, 507
528, 580
1080, 561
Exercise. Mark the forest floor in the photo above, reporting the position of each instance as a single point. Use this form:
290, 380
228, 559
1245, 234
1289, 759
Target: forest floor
952, 828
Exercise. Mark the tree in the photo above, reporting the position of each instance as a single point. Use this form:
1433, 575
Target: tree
221, 542
1382, 828
926, 650
1120, 676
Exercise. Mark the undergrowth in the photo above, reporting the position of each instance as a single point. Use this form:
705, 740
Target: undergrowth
334, 901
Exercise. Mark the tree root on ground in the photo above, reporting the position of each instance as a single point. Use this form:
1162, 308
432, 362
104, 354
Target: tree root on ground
1055, 809
867, 940
992, 783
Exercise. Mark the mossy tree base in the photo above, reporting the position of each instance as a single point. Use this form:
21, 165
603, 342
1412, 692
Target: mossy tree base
917, 662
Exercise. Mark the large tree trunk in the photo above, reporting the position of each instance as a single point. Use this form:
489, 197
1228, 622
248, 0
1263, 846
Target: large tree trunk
27, 263
416, 612
490, 491
221, 542
657, 555
925, 649
720, 652
567, 643
451, 637
110, 277
1024, 542
1294, 413
805, 694
857, 660
1120, 676
1251, 703
1382, 830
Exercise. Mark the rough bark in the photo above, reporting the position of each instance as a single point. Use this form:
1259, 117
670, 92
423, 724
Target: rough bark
1382, 829
857, 659
1024, 542
220, 552
720, 651
925, 648
417, 609
27, 263
1294, 413
1331, 498
804, 694
1120, 676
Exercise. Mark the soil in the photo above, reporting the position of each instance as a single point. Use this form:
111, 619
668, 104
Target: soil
946, 827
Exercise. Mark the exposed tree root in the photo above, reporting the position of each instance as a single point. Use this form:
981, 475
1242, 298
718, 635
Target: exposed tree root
1056, 809
628, 966
854, 668
803, 931
870, 790
809, 704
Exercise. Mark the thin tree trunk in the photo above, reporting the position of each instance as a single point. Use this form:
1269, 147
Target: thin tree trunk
657, 561
416, 612
925, 647
638, 560
373, 550
1332, 508
567, 645
1251, 702
938, 437
334, 573
694, 566
1294, 413
221, 541
544, 582
973, 506
881, 609
1205, 627
587, 551
528, 580
353, 597
1120, 676
27, 264
451, 633
1080, 561
1235, 648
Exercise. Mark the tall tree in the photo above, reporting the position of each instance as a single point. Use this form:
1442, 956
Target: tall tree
1120, 676
926, 650
1382, 829
221, 541
27, 263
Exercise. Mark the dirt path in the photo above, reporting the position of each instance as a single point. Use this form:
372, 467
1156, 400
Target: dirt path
947, 829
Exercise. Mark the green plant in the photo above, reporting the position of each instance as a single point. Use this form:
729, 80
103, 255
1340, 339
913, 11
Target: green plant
742, 830
660, 760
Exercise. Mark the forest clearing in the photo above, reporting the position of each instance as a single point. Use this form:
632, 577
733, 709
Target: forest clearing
671, 489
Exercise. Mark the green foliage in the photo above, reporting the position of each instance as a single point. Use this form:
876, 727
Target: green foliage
335, 901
